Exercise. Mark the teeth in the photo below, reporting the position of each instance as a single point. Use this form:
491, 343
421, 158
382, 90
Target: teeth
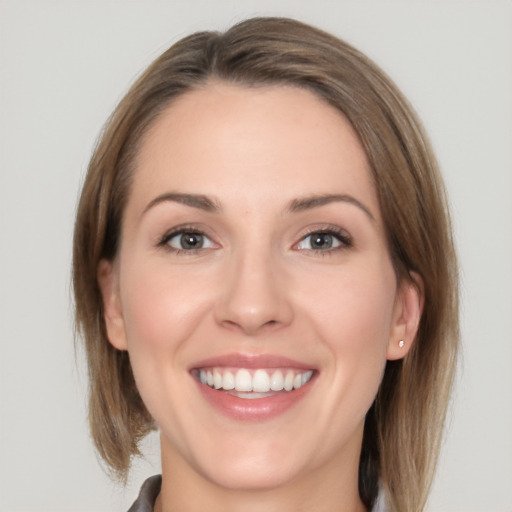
217, 379
288, 381
243, 380
277, 381
251, 396
261, 381
228, 381
305, 377
257, 384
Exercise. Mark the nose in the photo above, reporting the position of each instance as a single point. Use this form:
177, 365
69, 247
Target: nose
254, 296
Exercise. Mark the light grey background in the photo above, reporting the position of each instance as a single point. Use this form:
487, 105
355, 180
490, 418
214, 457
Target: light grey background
63, 67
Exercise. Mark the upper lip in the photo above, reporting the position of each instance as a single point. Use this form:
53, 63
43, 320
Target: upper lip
253, 361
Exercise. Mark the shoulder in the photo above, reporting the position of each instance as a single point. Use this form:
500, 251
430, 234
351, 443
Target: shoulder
148, 494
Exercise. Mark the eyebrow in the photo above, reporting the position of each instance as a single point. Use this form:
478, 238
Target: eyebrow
315, 201
198, 201
204, 203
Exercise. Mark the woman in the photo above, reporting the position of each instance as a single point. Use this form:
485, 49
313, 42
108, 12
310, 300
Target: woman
264, 270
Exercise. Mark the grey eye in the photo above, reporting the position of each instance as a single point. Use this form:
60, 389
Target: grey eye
319, 241
187, 241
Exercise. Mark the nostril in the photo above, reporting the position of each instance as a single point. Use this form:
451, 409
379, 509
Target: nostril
246, 325
251, 327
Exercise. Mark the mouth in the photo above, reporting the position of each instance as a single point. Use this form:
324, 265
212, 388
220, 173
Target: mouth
253, 388
253, 383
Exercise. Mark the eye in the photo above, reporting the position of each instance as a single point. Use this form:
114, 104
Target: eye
187, 241
324, 241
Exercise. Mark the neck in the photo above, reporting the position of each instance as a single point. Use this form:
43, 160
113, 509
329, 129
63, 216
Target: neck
333, 487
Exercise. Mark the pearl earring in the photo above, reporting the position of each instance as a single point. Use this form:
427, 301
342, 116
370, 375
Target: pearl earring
401, 343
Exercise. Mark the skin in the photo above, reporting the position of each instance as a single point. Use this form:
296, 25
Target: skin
256, 287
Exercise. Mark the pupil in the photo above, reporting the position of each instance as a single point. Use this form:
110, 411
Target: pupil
191, 240
321, 241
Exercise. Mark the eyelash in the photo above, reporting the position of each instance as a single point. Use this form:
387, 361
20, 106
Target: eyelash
340, 235
182, 230
344, 239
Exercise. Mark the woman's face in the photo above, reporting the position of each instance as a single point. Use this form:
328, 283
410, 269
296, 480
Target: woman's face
253, 256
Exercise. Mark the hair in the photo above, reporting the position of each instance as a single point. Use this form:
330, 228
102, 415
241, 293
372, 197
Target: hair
403, 428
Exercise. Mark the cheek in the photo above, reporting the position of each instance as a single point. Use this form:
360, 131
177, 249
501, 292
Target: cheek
161, 307
161, 311
352, 315
353, 307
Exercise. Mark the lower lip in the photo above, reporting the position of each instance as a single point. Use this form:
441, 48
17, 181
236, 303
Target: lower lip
256, 409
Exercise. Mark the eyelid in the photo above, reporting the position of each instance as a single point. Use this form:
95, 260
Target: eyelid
163, 241
344, 238
209, 242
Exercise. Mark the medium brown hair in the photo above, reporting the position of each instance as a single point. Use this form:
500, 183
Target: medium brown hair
404, 426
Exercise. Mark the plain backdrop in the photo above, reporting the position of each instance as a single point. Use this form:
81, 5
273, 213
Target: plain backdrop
63, 67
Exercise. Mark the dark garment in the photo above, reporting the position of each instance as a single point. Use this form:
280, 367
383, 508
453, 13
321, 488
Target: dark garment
148, 495
151, 487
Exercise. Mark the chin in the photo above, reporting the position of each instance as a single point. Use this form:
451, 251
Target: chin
252, 462
249, 475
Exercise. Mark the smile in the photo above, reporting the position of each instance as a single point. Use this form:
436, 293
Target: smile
253, 388
246, 383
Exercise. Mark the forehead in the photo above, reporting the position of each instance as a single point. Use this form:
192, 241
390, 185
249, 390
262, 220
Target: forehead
251, 142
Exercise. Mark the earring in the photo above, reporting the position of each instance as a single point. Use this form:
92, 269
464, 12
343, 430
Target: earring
401, 343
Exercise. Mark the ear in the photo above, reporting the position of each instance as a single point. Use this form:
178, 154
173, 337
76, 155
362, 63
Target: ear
112, 310
406, 316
